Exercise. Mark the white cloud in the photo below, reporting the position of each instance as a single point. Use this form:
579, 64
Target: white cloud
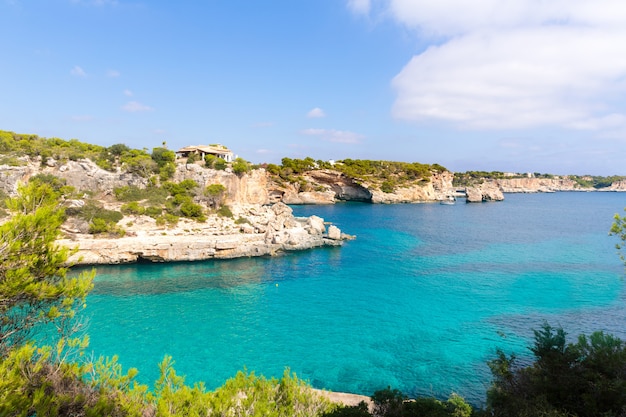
128, 93
359, 6
514, 64
332, 135
78, 72
113, 74
316, 113
134, 106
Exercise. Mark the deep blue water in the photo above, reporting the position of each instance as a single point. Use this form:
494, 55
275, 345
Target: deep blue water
419, 301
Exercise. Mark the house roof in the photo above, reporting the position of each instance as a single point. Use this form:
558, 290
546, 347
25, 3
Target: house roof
219, 149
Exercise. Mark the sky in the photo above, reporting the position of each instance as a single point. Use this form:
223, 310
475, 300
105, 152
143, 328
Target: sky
505, 85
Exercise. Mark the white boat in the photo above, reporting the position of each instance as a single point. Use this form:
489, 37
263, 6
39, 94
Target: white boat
449, 200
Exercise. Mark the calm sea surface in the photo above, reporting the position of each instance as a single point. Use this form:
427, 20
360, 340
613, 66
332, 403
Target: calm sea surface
419, 301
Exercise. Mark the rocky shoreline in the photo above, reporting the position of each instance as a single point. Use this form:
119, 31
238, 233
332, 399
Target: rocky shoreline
268, 230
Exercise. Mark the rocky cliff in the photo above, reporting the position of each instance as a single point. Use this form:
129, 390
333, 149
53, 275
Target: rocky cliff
84, 175
331, 186
487, 191
539, 185
268, 230
617, 186
255, 187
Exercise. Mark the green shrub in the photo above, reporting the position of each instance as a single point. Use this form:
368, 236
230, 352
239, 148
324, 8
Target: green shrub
184, 187
98, 225
214, 190
192, 210
129, 193
167, 171
209, 160
241, 166
220, 164
387, 187
153, 211
171, 219
133, 208
224, 211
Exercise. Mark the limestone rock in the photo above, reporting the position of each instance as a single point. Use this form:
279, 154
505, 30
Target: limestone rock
309, 197
316, 225
484, 192
334, 233
217, 238
538, 185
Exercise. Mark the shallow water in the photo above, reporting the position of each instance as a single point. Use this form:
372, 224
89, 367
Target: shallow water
419, 301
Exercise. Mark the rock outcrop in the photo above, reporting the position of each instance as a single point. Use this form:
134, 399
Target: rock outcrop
332, 186
616, 186
267, 230
484, 192
539, 185
248, 188
439, 186
84, 175
329, 186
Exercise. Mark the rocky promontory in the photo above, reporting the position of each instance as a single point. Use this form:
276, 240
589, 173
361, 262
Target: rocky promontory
268, 230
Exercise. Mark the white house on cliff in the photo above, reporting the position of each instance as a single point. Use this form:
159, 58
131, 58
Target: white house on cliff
219, 151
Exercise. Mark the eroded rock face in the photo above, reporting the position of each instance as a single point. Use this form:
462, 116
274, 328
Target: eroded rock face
617, 186
11, 176
537, 185
335, 186
249, 188
484, 192
86, 175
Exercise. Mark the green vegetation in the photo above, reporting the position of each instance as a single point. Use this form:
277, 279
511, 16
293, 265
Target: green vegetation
241, 166
35, 291
387, 175
597, 182
181, 201
165, 160
101, 220
215, 195
463, 179
393, 403
584, 379
618, 228
213, 162
14, 144
225, 211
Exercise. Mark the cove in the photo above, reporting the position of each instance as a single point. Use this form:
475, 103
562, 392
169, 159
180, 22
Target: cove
419, 301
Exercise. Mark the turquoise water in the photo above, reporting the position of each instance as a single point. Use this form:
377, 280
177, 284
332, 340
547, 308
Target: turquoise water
419, 301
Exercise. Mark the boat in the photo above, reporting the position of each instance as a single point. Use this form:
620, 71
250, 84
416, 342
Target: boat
449, 200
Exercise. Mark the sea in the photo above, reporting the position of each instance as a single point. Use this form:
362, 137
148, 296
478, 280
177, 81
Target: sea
419, 301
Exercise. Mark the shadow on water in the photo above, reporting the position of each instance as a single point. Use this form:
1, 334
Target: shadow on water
148, 278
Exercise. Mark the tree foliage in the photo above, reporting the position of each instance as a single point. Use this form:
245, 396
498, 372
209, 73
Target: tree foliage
34, 287
241, 166
586, 378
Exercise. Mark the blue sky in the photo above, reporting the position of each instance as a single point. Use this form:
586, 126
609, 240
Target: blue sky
516, 85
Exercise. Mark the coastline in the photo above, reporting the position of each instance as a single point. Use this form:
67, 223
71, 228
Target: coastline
267, 230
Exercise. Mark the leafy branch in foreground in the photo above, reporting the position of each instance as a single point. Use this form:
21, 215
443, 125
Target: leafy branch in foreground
34, 287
